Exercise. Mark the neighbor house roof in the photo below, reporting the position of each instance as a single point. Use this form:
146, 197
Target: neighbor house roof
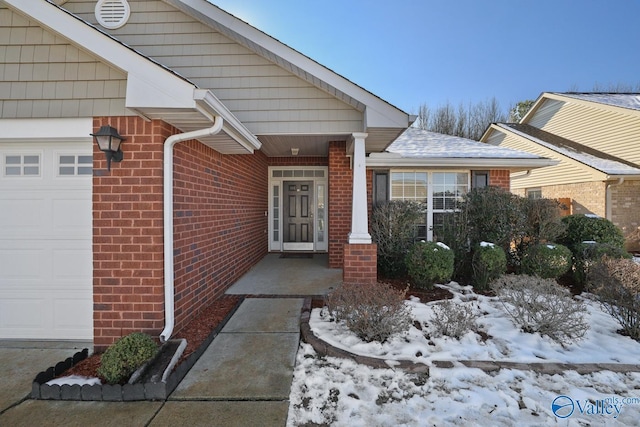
595, 159
417, 147
622, 100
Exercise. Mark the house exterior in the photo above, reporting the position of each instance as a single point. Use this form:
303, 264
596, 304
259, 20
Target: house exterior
594, 137
235, 146
437, 170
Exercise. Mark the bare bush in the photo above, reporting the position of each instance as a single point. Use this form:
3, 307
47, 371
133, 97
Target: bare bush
616, 283
373, 312
452, 319
541, 305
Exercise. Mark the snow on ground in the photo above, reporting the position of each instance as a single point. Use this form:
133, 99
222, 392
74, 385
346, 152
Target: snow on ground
339, 392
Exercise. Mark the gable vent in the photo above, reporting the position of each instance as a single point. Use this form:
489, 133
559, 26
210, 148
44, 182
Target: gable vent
112, 14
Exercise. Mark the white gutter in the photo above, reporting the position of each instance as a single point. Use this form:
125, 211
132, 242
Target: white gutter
608, 208
169, 315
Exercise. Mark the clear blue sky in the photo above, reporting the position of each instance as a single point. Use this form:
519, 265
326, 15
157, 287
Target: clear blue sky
413, 52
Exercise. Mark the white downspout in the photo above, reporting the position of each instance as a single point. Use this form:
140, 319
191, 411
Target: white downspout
608, 209
169, 319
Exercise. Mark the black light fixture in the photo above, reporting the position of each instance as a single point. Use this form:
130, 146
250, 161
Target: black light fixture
109, 141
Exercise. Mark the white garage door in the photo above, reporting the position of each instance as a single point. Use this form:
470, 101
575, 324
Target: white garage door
45, 240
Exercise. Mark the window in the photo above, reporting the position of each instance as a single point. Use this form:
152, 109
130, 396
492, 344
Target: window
441, 192
479, 179
71, 165
22, 165
380, 187
534, 193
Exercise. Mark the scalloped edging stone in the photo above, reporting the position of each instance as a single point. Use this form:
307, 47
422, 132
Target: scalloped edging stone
325, 349
154, 391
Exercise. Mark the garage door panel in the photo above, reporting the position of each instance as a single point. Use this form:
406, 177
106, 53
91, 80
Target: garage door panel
46, 261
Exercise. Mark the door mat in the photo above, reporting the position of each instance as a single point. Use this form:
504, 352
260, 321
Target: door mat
296, 255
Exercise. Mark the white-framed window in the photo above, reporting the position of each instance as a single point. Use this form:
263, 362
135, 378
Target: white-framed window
441, 192
534, 193
75, 164
16, 165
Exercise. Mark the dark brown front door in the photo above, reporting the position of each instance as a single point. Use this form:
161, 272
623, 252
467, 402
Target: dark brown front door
298, 215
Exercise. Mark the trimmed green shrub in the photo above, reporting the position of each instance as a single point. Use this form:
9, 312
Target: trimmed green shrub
125, 356
373, 312
546, 260
586, 254
429, 263
582, 228
393, 230
489, 262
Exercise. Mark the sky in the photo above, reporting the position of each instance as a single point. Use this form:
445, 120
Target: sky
433, 52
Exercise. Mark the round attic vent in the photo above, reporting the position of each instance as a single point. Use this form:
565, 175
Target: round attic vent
112, 14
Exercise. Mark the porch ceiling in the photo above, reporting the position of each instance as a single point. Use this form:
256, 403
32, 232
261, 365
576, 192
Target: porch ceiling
318, 144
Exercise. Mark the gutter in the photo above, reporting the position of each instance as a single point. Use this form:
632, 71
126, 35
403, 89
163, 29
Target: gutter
169, 143
608, 209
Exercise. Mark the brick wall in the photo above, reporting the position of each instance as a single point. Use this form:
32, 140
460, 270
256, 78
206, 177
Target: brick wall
340, 197
128, 266
500, 178
625, 213
219, 228
360, 264
219, 223
586, 197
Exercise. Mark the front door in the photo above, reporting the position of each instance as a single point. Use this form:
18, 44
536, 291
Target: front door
298, 215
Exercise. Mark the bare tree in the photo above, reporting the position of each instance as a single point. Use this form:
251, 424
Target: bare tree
466, 122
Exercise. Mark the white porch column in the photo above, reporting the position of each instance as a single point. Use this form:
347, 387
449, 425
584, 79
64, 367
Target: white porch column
359, 220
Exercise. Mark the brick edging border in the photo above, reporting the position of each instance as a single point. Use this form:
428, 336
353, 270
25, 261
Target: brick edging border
325, 349
154, 391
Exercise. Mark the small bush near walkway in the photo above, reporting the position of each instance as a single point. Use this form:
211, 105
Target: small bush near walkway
429, 263
616, 283
541, 305
126, 355
374, 312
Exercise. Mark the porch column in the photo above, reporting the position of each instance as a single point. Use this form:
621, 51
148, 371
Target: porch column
359, 221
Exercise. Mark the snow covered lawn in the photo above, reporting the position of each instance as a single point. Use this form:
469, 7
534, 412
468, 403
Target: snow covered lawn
340, 392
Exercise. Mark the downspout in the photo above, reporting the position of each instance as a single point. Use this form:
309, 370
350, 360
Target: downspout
608, 209
169, 143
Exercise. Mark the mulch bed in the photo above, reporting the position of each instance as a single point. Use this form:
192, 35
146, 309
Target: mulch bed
195, 333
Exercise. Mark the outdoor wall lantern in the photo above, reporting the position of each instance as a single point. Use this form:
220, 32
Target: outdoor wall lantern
109, 141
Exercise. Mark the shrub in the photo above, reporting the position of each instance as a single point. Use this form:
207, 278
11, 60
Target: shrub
393, 230
429, 263
126, 355
581, 228
452, 319
489, 262
373, 312
586, 254
548, 261
542, 306
494, 215
543, 224
616, 283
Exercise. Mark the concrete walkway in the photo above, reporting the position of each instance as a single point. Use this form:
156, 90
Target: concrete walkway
242, 379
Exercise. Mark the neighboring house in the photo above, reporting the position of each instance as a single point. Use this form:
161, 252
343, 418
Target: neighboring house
438, 170
236, 146
596, 139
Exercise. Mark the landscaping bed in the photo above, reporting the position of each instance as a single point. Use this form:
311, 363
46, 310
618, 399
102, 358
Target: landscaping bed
150, 385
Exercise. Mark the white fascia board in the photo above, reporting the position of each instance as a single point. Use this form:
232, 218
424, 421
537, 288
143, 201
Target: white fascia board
379, 113
67, 129
232, 126
464, 163
149, 85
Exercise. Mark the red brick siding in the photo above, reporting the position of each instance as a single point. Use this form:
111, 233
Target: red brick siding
360, 264
340, 198
127, 232
500, 178
219, 223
